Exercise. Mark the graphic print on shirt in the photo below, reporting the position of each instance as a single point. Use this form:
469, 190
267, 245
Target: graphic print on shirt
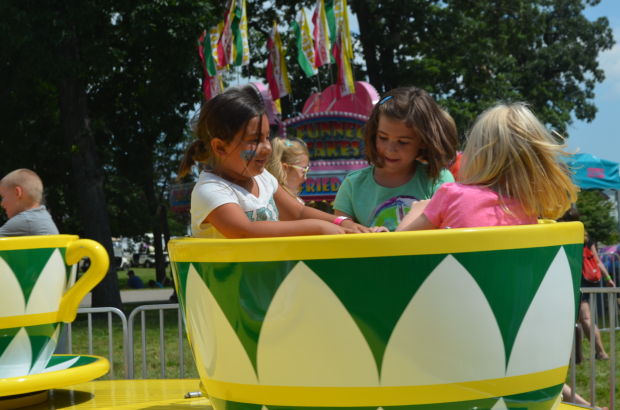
266, 213
392, 211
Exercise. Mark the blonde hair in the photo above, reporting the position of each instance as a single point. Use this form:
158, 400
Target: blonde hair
285, 151
511, 152
28, 181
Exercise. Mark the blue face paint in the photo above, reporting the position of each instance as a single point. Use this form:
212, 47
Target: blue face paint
247, 155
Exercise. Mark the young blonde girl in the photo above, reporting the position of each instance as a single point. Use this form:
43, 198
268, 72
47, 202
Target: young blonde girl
511, 174
289, 163
409, 141
235, 197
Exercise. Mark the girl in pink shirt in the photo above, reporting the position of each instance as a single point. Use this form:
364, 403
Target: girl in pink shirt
511, 174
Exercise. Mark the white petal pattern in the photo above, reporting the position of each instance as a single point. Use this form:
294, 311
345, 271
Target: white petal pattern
550, 314
46, 354
50, 286
306, 331
12, 301
16, 358
500, 405
220, 353
449, 316
61, 366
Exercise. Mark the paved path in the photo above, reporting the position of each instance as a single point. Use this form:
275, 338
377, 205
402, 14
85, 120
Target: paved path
138, 296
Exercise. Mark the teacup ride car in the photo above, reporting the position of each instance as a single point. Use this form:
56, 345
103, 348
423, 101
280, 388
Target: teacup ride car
458, 319
448, 319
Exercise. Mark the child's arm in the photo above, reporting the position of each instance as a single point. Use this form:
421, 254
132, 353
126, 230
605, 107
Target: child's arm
230, 220
292, 210
416, 210
415, 220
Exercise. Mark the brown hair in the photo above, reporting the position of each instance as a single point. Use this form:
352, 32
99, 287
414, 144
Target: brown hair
223, 116
418, 110
511, 152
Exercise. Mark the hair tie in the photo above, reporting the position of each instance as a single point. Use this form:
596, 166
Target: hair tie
288, 143
389, 97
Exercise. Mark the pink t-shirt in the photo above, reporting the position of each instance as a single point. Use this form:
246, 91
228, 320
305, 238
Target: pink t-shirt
462, 206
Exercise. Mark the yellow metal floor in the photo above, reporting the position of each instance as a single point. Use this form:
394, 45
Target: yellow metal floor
130, 394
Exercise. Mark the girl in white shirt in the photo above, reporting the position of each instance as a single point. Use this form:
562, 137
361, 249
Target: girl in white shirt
235, 197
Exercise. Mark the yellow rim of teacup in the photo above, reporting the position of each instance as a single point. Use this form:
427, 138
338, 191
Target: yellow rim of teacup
376, 245
8, 322
384, 395
33, 242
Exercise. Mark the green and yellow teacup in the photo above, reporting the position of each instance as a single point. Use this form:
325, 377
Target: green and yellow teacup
38, 292
446, 319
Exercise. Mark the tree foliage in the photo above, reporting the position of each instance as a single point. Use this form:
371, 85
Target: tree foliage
596, 213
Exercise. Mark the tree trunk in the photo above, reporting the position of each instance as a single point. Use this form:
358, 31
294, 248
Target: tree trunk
86, 174
369, 44
153, 205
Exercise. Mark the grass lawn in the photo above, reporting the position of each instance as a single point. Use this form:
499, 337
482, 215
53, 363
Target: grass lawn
172, 364
603, 370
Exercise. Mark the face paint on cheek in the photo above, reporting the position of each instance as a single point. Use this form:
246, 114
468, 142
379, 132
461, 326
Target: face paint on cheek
247, 155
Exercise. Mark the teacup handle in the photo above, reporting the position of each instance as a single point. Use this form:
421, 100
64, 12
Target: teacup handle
99, 263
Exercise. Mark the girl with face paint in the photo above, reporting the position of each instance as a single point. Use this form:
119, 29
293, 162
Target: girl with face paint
235, 196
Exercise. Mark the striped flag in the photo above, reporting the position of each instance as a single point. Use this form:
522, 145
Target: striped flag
225, 43
208, 50
214, 34
345, 82
331, 21
277, 74
240, 33
212, 83
342, 22
321, 35
305, 45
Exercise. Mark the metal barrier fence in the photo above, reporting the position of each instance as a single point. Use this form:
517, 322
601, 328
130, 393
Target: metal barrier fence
604, 315
605, 300
109, 311
141, 310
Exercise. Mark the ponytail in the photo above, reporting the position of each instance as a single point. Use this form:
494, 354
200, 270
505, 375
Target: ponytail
196, 152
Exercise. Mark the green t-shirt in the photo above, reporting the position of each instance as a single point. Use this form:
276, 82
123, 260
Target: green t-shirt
371, 204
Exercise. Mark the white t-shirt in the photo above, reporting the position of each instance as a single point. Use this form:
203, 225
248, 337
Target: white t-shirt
212, 191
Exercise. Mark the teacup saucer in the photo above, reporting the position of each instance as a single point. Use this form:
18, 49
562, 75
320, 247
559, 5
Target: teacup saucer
61, 371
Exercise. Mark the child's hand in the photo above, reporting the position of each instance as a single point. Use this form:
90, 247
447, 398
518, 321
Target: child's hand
328, 228
354, 227
375, 229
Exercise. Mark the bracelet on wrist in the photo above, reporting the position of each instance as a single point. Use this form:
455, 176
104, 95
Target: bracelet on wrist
607, 278
340, 219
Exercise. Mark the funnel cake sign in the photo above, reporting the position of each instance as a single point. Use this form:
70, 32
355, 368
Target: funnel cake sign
336, 146
332, 128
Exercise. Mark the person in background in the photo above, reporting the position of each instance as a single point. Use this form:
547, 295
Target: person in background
133, 281
22, 196
409, 141
585, 315
289, 163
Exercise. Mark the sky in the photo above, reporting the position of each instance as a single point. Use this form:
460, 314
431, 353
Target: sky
601, 137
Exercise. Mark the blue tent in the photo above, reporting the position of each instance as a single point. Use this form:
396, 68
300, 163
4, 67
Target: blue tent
592, 172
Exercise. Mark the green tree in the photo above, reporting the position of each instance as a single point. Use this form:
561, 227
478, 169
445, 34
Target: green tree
596, 214
144, 103
470, 54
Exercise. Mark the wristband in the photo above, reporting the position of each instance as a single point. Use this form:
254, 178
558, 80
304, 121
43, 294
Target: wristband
607, 278
340, 219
